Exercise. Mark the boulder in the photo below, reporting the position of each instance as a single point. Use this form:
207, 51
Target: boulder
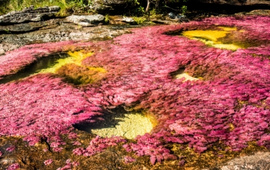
29, 15
128, 20
86, 20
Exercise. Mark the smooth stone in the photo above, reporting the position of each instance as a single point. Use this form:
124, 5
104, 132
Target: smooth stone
86, 20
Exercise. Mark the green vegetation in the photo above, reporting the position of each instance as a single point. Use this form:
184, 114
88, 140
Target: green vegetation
139, 20
138, 7
67, 6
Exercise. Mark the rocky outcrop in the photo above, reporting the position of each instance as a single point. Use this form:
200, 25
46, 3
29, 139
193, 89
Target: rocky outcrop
28, 27
103, 6
86, 20
260, 160
29, 15
237, 2
60, 31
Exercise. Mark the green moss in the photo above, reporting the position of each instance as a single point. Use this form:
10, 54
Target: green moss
139, 20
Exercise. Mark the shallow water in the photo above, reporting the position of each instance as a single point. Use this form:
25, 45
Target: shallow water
120, 122
35, 67
50, 64
213, 37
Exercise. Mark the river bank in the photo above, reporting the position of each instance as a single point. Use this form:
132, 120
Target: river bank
123, 68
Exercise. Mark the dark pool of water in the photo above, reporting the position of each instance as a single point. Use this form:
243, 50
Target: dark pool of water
35, 67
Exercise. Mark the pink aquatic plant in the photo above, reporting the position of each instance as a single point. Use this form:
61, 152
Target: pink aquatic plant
228, 104
11, 148
129, 159
48, 162
44, 106
13, 166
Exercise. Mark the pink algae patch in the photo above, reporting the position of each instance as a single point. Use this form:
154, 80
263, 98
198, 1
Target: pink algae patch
230, 107
42, 105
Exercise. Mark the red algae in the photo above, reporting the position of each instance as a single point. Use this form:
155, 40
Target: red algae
229, 105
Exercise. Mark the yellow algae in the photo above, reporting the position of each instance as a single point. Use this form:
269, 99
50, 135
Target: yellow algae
98, 69
213, 37
77, 74
228, 28
186, 76
129, 126
80, 55
227, 46
74, 57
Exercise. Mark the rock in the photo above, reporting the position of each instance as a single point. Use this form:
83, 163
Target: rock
128, 20
182, 18
103, 6
59, 32
260, 160
171, 15
28, 15
237, 2
259, 12
27, 27
86, 20
178, 17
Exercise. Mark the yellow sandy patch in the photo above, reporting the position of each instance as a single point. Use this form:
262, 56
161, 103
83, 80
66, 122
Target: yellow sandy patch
186, 76
130, 126
75, 57
211, 37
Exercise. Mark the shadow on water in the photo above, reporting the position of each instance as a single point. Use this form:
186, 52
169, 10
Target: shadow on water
35, 67
111, 118
120, 122
181, 70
